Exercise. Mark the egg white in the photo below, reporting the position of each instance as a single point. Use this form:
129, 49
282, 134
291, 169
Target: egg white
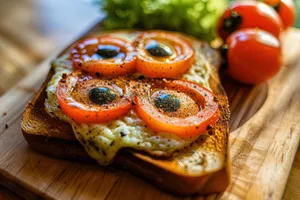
103, 141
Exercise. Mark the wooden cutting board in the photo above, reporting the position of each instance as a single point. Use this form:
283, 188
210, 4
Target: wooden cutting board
264, 137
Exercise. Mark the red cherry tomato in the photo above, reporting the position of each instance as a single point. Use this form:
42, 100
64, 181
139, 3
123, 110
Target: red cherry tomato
253, 55
249, 14
287, 13
285, 9
272, 2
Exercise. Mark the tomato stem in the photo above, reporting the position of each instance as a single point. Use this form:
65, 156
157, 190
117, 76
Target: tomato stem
276, 7
231, 23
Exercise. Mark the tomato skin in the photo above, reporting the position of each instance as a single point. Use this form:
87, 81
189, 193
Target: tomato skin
287, 13
285, 9
170, 67
83, 112
83, 56
253, 14
254, 56
272, 2
193, 125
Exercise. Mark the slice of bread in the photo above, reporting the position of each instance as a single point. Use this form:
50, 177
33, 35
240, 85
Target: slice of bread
202, 168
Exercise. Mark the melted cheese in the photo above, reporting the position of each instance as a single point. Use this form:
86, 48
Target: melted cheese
103, 141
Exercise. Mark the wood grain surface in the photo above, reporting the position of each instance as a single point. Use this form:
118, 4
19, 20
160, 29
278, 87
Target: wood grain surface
30, 31
7, 194
262, 146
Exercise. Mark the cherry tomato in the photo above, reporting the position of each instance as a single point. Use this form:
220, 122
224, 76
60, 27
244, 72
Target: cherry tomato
249, 14
179, 107
271, 2
163, 55
287, 13
253, 55
106, 55
88, 99
285, 9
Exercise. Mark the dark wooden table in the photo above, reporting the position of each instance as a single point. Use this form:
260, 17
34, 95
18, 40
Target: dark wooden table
31, 29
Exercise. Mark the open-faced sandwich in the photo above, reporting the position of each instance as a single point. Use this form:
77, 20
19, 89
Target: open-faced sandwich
147, 100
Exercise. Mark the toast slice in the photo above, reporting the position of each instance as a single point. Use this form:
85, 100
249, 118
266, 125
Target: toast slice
208, 155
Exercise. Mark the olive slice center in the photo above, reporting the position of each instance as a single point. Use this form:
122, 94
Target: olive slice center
158, 49
102, 95
167, 102
108, 51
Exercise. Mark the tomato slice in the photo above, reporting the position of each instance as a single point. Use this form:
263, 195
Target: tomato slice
88, 99
163, 55
105, 55
176, 106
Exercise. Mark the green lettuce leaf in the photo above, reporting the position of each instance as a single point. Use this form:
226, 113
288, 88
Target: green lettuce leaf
194, 17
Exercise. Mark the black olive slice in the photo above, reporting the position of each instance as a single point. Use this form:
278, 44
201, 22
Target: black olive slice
102, 95
158, 49
167, 102
108, 51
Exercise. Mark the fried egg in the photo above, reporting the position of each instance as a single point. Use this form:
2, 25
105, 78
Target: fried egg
103, 141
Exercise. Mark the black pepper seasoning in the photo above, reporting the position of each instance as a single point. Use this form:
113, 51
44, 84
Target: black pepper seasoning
122, 134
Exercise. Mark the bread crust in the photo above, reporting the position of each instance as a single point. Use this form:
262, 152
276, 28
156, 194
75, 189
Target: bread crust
53, 137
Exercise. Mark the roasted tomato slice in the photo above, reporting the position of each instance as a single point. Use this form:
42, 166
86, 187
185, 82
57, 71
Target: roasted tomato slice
105, 55
88, 99
178, 107
163, 55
